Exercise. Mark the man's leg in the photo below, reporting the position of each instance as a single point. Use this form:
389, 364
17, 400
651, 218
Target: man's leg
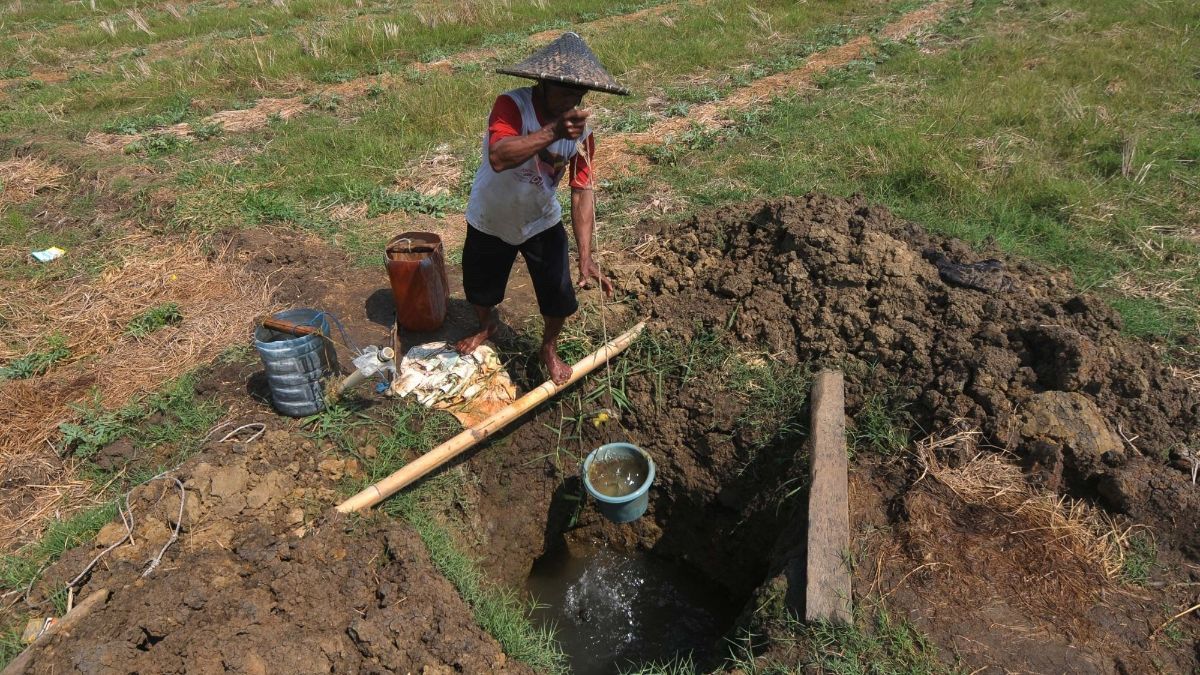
549, 267
487, 262
559, 370
487, 328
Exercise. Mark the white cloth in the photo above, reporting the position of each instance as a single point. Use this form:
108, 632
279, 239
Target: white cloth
519, 203
469, 387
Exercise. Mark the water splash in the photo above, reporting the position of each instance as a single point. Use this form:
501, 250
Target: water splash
613, 610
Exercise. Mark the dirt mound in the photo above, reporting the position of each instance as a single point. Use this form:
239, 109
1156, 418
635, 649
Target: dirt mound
247, 589
827, 280
1039, 369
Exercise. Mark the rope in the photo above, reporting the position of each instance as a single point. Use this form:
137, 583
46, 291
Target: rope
345, 336
174, 535
258, 427
585, 152
126, 512
128, 536
346, 340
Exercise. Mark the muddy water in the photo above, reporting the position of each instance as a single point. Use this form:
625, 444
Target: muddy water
618, 477
613, 611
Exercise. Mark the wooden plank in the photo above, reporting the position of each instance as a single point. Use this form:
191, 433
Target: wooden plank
827, 579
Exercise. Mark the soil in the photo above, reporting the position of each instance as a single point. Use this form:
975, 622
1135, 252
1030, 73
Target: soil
1041, 370
1044, 371
259, 581
254, 586
307, 272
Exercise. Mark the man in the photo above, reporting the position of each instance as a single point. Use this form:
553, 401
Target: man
535, 135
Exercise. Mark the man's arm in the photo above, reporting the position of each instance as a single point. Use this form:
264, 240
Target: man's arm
514, 151
583, 222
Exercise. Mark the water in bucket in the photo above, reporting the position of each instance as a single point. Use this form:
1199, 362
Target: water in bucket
619, 476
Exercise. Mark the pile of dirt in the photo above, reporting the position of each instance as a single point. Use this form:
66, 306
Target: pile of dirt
255, 585
1041, 369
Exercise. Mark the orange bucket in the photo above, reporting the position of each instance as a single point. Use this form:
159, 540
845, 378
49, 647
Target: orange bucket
416, 267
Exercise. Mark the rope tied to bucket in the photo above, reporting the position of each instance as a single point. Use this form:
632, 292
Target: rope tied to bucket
609, 413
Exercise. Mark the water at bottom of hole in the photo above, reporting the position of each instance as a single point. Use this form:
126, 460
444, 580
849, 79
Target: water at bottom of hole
614, 611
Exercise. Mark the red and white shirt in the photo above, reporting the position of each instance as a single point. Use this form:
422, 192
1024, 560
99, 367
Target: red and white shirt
521, 202
505, 122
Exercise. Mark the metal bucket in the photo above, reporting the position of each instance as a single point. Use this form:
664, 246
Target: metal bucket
295, 365
630, 507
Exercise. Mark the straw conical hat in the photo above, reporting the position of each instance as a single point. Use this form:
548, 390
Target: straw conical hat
567, 60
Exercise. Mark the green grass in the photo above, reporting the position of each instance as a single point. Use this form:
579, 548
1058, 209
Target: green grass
340, 423
176, 110
38, 362
680, 665
882, 424
1027, 160
875, 644
502, 613
629, 121
174, 417
19, 570
320, 157
153, 319
774, 393
23, 228
180, 419
157, 145
1141, 558
381, 201
10, 643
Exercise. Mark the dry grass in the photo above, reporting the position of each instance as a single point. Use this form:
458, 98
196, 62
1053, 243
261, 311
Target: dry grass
615, 20
21, 178
433, 13
256, 117
218, 301
618, 149
993, 481
437, 173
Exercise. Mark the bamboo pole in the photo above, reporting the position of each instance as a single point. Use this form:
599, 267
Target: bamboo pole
65, 625
468, 438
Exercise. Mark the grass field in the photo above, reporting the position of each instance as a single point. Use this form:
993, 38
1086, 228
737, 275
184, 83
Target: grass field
1062, 131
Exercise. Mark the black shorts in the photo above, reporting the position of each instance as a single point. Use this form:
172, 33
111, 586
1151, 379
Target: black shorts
488, 260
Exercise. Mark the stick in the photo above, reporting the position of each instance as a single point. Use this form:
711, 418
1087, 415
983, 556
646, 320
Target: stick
1170, 621
468, 438
68, 622
289, 327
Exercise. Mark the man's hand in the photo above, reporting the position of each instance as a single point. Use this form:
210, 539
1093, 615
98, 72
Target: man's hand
589, 270
571, 124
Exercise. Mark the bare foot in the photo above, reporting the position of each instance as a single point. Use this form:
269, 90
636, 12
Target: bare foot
469, 344
560, 372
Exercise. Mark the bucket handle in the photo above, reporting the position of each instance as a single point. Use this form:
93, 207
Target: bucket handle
395, 245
